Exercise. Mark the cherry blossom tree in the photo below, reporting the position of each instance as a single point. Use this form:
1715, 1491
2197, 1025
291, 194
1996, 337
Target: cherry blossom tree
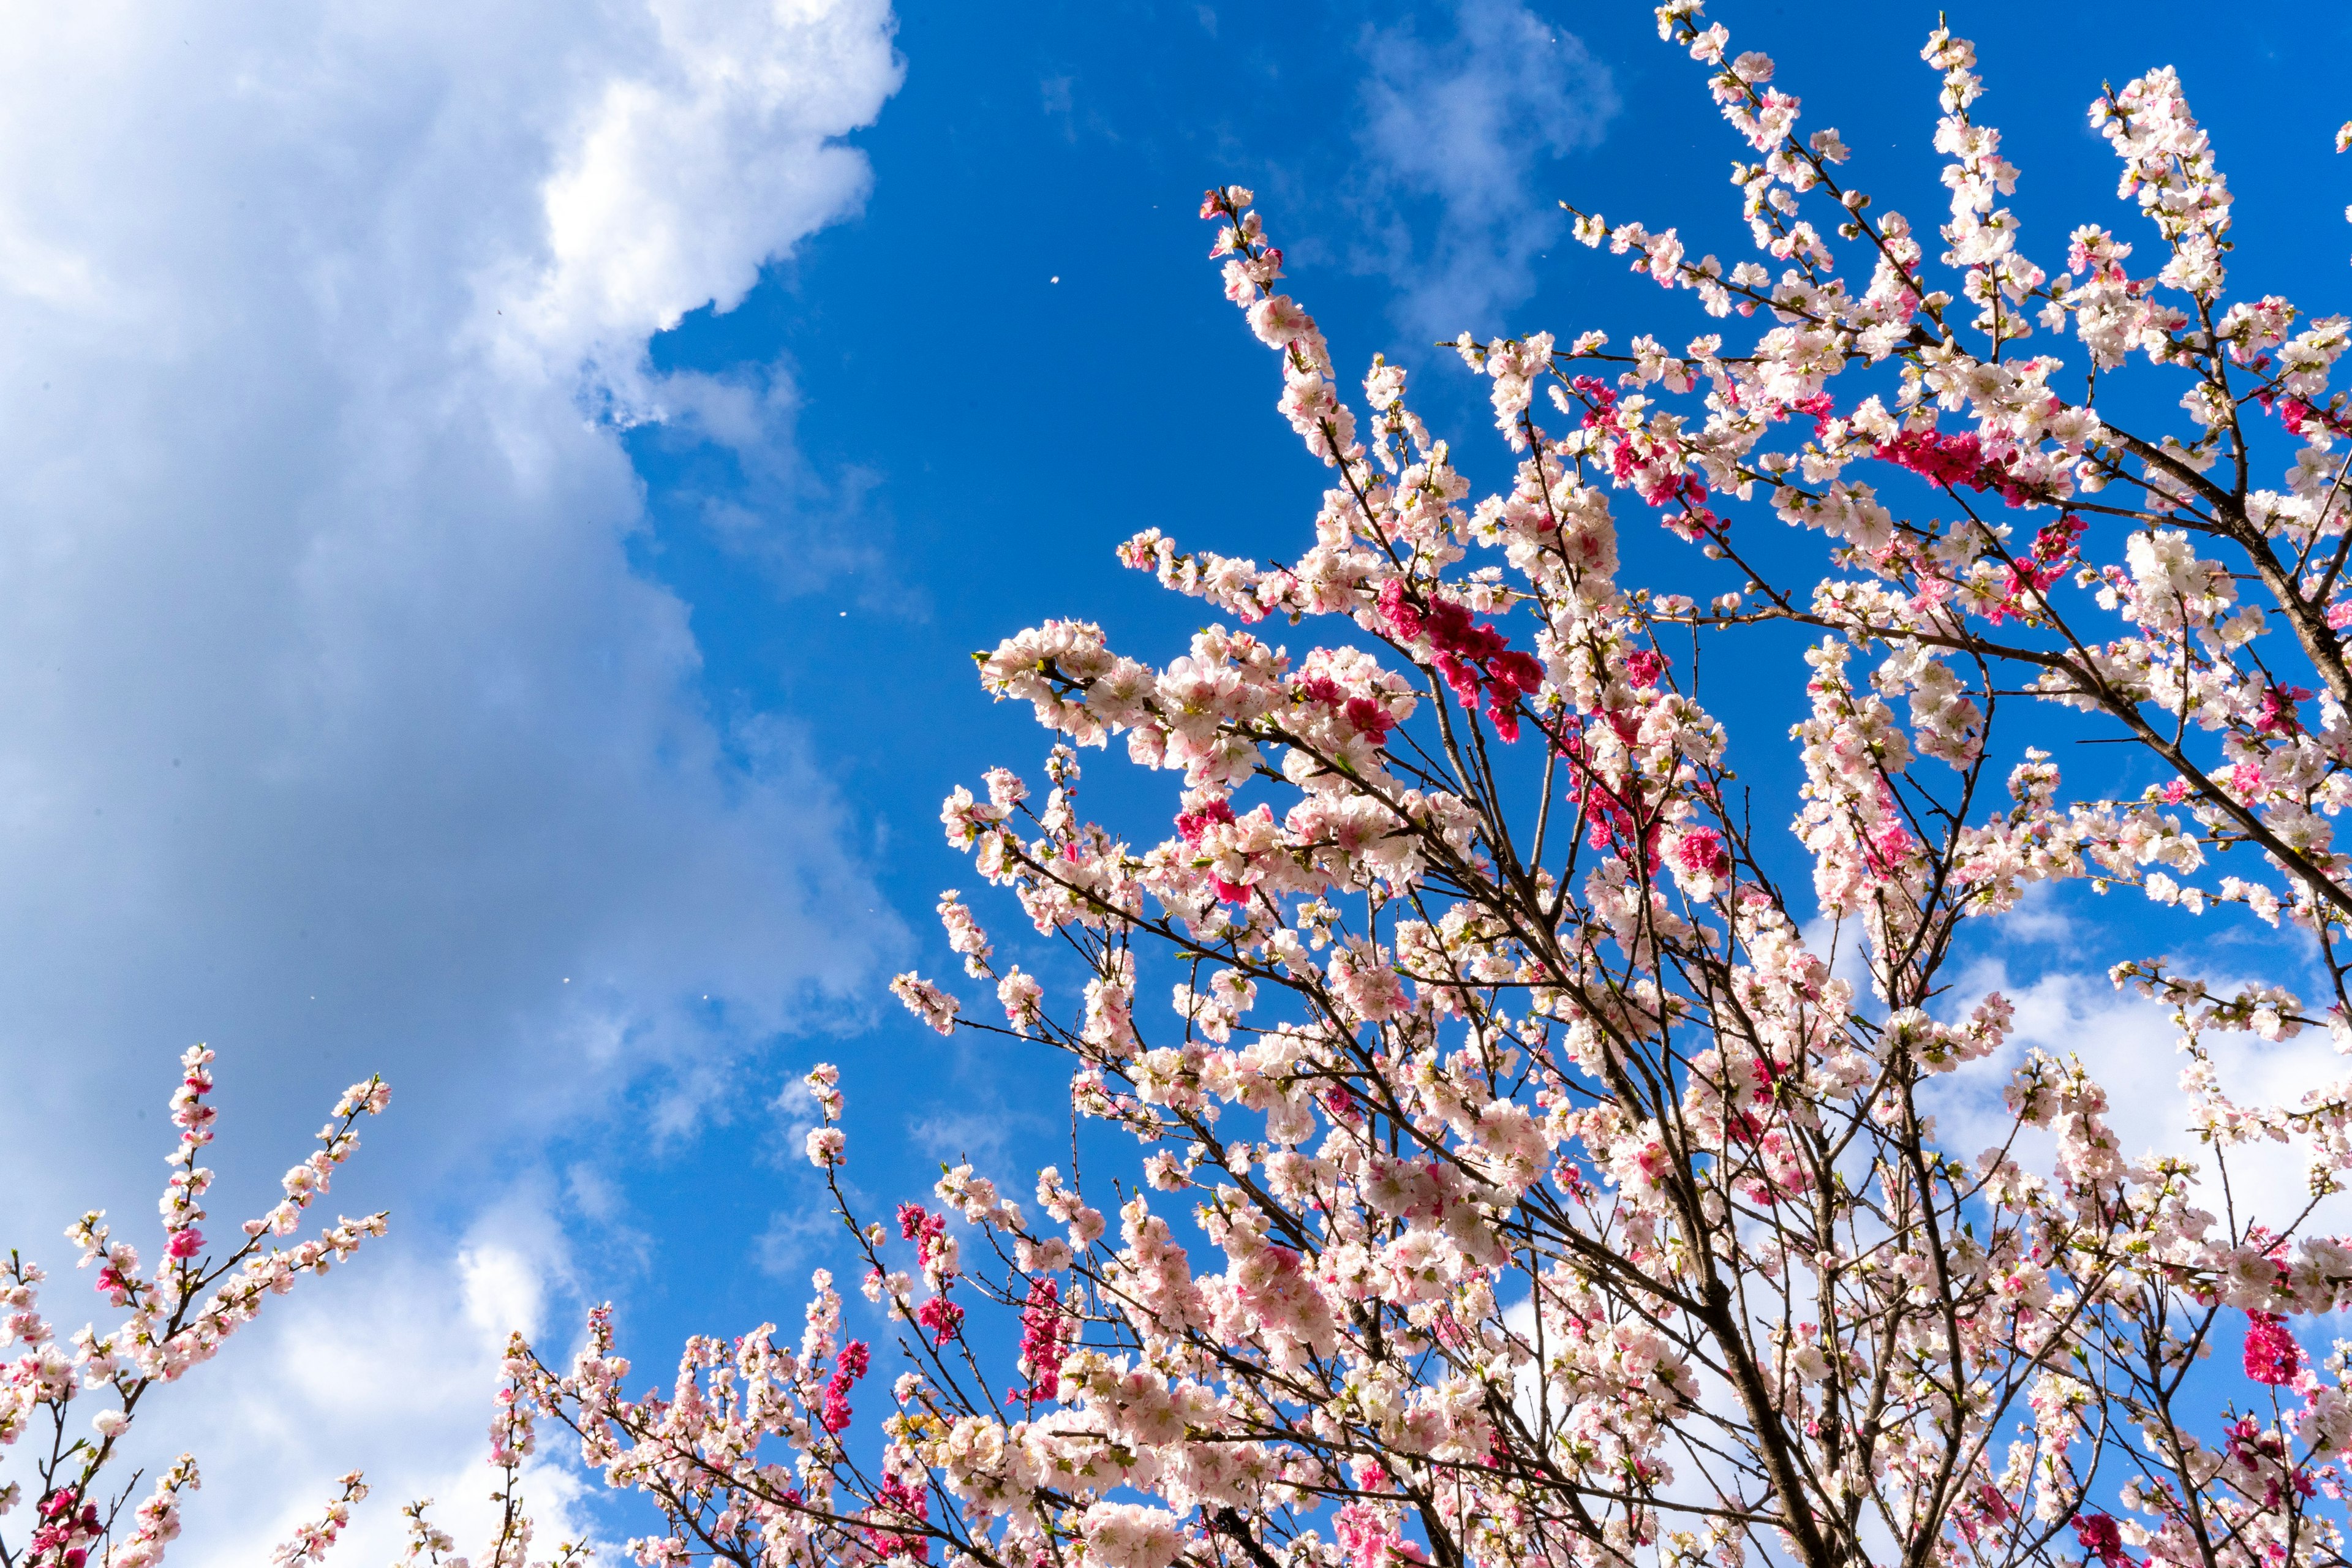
1525, 1173
65, 1405
1521, 1175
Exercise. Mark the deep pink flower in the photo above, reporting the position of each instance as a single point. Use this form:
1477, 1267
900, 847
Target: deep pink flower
847, 1368
2272, 1354
1477, 662
907, 1503
1191, 824
942, 1317
2279, 716
2101, 1539
1046, 1331
1369, 719
1951, 461
1702, 853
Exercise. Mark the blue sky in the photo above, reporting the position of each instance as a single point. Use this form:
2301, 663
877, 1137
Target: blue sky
502, 506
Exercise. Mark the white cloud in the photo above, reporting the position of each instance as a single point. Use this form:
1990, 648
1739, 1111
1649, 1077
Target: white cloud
335, 727
395, 1378
332, 719
1471, 123
2129, 1046
2040, 915
708, 151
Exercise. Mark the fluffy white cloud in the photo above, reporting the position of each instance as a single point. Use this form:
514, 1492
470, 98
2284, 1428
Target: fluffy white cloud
2129, 1045
335, 727
332, 719
1469, 123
